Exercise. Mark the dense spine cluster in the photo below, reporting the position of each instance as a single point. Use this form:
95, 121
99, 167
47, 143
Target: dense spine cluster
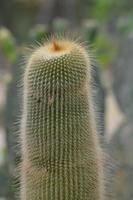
61, 155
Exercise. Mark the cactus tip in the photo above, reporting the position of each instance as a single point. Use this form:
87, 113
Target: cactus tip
56, 46
59, 46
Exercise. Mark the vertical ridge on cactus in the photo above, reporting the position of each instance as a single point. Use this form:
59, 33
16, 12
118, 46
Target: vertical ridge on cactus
61, 154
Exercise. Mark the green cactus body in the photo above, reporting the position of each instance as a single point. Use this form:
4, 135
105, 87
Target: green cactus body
61, 155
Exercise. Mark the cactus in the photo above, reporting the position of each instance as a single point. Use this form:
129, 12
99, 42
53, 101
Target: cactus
7, 44
61, 154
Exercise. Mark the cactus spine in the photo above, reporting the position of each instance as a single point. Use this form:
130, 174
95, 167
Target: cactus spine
61, 155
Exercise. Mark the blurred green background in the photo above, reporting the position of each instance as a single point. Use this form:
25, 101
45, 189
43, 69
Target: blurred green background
107, 27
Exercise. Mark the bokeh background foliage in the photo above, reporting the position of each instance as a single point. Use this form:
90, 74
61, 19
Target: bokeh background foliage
106, 26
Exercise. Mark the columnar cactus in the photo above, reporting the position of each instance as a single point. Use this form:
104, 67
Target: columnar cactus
61, 154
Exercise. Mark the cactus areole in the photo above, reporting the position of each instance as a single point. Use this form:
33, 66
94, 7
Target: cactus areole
61, 154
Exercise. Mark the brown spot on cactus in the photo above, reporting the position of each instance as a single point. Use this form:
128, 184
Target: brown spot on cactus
56, 46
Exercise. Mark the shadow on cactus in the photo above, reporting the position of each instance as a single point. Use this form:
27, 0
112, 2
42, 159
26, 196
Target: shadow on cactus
61, 154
